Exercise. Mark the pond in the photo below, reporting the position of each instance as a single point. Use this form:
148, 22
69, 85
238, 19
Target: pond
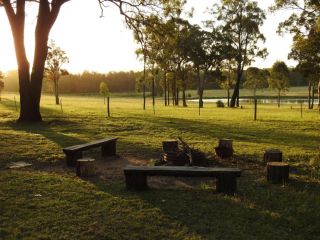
261, 100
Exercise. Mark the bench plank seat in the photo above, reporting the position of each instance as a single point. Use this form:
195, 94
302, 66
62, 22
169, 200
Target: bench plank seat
136, 176
108, 148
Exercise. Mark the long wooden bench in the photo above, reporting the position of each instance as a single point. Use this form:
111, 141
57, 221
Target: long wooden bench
136, 176
108, 148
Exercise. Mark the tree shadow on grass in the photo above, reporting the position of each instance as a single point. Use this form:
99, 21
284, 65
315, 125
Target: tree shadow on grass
258, 134
258, 211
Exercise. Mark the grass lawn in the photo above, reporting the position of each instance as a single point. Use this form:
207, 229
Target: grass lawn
39, 204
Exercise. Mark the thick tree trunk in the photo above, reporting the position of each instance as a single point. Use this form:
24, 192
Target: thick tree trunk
279, 95
236, 90
30, 86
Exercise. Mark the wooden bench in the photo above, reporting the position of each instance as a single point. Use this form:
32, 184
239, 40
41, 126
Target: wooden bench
108, 148
136, 176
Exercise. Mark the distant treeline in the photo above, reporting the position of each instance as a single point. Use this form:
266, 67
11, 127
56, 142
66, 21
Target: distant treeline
88, 82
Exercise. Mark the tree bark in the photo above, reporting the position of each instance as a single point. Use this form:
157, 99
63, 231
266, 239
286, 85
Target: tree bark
236, 90
30, 86
279, 94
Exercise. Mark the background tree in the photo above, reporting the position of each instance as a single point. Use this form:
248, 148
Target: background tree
104, 91
1, 83
279, 78
241, 21
256, 78
304, 23
30, 82
56, 57
306, 50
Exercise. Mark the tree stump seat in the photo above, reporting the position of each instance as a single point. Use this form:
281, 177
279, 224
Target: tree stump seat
278, 172
225, 148
170, 146
108, 148
136, 176
85, 167
272, 155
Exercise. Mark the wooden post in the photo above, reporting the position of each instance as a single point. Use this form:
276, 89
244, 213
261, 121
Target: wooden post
72, 158
85, 167
225, 148
108, 106
277, 172
272, 155
255, 109
227, 184
15, 103
136, 181
301, 110
61, 105
170, 146
109, 149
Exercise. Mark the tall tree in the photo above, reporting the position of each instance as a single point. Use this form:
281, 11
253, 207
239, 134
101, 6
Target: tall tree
241, 21
30, 84
256, 78
104, 91
56, 57
304, 23
279, 78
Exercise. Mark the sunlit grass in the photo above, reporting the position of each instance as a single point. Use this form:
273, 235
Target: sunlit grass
39, 205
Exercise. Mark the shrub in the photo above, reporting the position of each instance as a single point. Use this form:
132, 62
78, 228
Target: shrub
220, 104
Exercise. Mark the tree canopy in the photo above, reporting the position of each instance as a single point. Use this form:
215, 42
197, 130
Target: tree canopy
241, 21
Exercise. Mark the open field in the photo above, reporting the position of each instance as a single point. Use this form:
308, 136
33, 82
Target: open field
47, 201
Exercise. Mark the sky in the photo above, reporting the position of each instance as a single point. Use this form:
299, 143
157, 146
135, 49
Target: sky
104, 44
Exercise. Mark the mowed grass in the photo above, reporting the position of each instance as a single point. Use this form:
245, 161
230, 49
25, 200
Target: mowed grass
42, 205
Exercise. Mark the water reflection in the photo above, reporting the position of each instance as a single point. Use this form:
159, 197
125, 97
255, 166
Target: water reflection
261, 100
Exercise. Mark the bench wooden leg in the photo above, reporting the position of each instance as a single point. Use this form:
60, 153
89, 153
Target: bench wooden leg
227, 183
136, 181
72, 158
109, 149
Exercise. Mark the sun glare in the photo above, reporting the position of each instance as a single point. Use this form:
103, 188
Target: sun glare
105, 44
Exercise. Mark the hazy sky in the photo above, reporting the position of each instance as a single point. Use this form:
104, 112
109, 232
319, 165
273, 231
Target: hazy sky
104, 44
